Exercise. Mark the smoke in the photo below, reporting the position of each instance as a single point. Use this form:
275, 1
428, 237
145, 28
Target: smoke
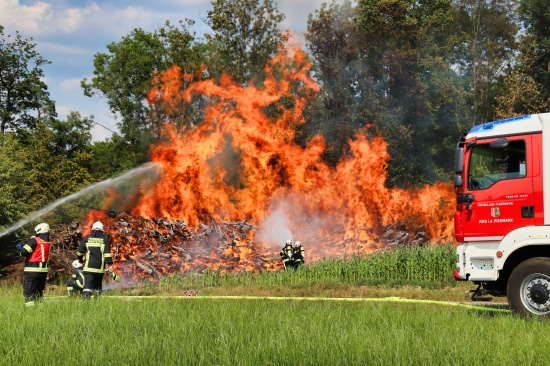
275, 228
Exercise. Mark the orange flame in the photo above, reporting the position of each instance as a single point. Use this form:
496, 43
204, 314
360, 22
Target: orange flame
242, 163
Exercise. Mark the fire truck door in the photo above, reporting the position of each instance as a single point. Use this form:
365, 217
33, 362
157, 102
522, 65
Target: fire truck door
500, 177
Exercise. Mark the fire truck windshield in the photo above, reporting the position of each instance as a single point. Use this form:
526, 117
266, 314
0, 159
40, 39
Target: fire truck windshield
488, 165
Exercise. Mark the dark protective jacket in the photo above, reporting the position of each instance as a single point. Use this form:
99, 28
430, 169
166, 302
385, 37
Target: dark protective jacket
286, 254
298, 254
37, 253
97, 249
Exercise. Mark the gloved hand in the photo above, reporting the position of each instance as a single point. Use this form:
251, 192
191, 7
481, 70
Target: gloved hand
19, 246
113, 275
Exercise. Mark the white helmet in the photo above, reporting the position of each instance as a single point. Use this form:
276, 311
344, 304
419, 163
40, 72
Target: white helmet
289, 241
297, 243
77, 264
97, 226
42, 228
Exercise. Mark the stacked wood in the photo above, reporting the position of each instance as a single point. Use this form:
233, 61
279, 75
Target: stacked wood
146, 248
347, 238
151, 248
403, 234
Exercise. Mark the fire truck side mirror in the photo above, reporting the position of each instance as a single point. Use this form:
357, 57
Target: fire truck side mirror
466, 198
458, 181
459, 160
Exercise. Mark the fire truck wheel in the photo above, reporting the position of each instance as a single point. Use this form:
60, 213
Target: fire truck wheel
528, 288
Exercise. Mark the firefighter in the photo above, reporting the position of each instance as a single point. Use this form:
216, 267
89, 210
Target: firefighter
36, 252
97, 249
286, 255
76, 283
298, 255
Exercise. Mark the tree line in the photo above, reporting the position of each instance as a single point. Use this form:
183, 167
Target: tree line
418, 73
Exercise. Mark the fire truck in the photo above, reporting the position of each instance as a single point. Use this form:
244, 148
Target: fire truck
502, 219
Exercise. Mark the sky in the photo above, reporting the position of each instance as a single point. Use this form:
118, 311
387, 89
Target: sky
70, 32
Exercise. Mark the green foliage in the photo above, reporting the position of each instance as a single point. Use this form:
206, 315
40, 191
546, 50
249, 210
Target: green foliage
246, 35
333, 43
37, 168
419, 74
523, 92
72, 136
487, 32
15, 197
536, 20
384, 67
41, 166
125, 76
113, 156
22, 89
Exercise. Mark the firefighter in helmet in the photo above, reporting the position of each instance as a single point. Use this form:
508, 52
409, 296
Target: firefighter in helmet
298, 254
286, 255
76, 283
37, 253
97, 249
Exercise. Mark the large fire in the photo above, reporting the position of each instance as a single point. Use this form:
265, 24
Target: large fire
241, 165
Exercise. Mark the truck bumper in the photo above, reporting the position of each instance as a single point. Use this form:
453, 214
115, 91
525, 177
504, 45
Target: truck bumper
460, 271
476, 262
456, 275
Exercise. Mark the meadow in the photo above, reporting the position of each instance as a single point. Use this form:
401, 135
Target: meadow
324, 316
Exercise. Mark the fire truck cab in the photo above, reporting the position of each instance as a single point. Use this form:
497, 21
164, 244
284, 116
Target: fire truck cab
502, 219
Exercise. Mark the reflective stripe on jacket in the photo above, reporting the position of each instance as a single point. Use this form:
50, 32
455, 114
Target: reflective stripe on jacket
37, 260
97, 249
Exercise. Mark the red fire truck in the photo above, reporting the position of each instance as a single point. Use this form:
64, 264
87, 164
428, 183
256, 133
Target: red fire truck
502, 220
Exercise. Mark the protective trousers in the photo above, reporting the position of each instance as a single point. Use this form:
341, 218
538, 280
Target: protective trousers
93, 282
33, 287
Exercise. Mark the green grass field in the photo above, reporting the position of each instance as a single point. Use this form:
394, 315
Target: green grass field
344, 318
212, 331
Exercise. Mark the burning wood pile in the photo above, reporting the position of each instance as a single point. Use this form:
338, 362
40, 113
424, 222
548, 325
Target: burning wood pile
157, 247
403, 234
150, 248
337, 239
145, 248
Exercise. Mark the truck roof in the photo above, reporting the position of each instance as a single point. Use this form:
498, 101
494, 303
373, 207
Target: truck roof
509, 126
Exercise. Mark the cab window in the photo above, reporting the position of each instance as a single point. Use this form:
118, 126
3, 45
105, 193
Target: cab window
489, 165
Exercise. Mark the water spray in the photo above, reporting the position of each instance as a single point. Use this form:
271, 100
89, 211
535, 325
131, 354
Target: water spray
105, 183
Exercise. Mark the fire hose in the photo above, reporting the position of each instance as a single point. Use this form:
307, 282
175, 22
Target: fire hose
496, 308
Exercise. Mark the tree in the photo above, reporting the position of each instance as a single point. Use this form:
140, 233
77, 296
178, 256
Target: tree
49, 162
22, 89
411, 95
15, 195
332, 39
246, 35
124, 76
536, 20
71, 137
112, 156
487, 31
523, 94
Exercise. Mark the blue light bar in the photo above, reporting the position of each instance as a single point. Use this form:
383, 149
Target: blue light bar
490, 125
